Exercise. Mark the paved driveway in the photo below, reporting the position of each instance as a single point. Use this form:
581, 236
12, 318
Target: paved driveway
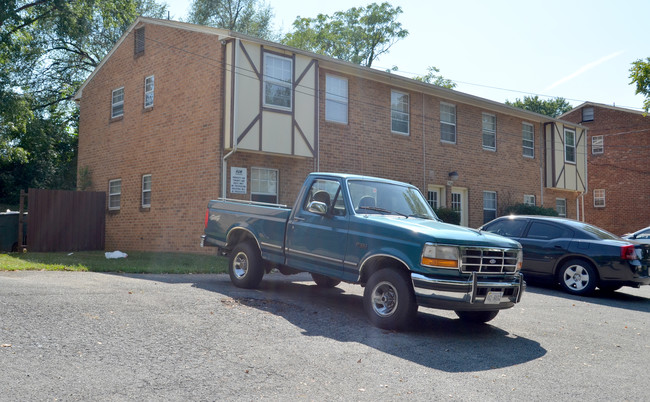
92, 336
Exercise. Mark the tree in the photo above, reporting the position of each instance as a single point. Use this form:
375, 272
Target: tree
640, 75
249, 17
433, 78
359, 35
552, 107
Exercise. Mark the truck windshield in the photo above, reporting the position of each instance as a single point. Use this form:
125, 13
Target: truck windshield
374, 197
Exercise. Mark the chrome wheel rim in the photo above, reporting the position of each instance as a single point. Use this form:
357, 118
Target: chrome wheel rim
576, 277
240, 265
384, 299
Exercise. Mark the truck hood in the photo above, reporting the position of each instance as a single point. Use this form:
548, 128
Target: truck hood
429, 230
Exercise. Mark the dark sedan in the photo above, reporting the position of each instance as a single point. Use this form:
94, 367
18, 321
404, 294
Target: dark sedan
578, 256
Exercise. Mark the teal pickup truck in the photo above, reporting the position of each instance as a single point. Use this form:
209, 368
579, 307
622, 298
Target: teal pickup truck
378, 233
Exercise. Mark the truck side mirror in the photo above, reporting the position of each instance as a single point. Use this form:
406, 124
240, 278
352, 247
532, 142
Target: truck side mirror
317, 207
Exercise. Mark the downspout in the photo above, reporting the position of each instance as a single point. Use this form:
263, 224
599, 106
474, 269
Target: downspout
224, 163
424, 151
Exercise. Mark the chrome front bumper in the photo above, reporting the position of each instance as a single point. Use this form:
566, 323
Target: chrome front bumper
471, 294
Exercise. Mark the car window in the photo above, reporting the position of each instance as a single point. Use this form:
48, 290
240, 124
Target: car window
547, 231
645, 234
507, 227
327, 192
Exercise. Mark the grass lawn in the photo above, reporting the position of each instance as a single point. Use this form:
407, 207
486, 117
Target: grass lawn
96, 261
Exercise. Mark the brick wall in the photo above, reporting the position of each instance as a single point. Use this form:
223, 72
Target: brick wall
622, 170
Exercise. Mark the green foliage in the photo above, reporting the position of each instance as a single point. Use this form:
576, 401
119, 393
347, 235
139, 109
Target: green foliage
359, 35
448, 215
432, 77
525, 209
552, 107
640, 75
250, 17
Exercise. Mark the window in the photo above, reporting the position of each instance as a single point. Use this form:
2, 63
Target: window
489, 205
329, 193
528, 138
399, 112
489, 132
447, 123
146, 191
599, 198
560, 206
587, 114
529, 200
114, 194
148, 92
264, 185
597, 146
456, 202
336, 99
507, 227
547, 231
570, 146
117, 103
139, 41
433, 198
278, 74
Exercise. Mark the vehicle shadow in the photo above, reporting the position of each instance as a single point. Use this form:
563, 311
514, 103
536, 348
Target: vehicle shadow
437, 342
619, 299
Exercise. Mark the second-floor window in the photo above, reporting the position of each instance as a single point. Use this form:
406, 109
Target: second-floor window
570, 146
117, 103
597, 145
447, 122
277, 81
528, 138
336, 99
489, 132
148, 92
399, 112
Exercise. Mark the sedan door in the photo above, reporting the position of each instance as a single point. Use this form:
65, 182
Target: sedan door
544, 244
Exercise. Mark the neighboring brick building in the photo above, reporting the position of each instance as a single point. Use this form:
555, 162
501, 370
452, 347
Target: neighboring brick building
618, 196
178, 114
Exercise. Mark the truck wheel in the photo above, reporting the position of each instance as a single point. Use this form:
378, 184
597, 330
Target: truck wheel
388, 299
245, 268
479, 317
323, 281
578, 277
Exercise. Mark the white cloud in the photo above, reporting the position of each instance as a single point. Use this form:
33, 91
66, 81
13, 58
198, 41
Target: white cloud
584, 69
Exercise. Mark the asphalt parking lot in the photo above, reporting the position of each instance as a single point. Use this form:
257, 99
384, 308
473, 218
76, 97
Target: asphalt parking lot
93, 336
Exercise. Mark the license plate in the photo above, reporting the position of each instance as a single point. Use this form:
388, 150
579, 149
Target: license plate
493, 297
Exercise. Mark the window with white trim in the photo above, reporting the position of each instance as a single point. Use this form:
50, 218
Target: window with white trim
597, 145
146, 191
528, 139
489, 205
560, 206
148, 91
117, 102
278, 73
336, 99
447, 122
114, 194
489, 122
569, 146
599, 198
399, 112
529, 199
433, 198
264, 185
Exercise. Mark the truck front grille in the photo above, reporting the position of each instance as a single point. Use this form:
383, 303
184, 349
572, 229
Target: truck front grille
488, 260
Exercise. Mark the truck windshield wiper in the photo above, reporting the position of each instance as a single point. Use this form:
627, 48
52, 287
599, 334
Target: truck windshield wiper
386, 211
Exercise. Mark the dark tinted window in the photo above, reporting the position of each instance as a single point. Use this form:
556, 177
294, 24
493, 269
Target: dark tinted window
507, 227
547, 231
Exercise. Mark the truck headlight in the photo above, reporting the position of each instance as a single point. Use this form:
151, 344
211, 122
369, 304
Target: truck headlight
440, 256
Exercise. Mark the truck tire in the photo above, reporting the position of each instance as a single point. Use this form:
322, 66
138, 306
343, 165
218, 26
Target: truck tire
388, 299
479, 317
246, 268
323, 281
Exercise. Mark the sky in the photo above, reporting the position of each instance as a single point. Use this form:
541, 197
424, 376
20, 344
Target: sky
507, 49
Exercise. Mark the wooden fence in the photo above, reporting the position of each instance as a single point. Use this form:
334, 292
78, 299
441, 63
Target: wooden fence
61, 220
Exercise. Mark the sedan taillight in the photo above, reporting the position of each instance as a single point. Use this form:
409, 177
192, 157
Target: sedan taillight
628, 253
207, 215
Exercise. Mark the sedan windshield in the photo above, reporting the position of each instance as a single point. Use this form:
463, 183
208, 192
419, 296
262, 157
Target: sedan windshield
373, 197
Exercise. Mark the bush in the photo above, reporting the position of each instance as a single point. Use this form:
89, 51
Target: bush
524, 209
448, 215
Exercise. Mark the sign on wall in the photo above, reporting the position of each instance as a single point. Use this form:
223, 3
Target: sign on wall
238, 180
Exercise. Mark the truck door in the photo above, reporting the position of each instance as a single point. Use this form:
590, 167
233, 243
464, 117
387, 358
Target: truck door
316, 242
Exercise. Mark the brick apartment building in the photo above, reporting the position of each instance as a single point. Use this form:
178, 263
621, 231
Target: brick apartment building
177, 114
618, 196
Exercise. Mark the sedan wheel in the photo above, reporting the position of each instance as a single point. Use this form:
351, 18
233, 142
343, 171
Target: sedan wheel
578, 277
